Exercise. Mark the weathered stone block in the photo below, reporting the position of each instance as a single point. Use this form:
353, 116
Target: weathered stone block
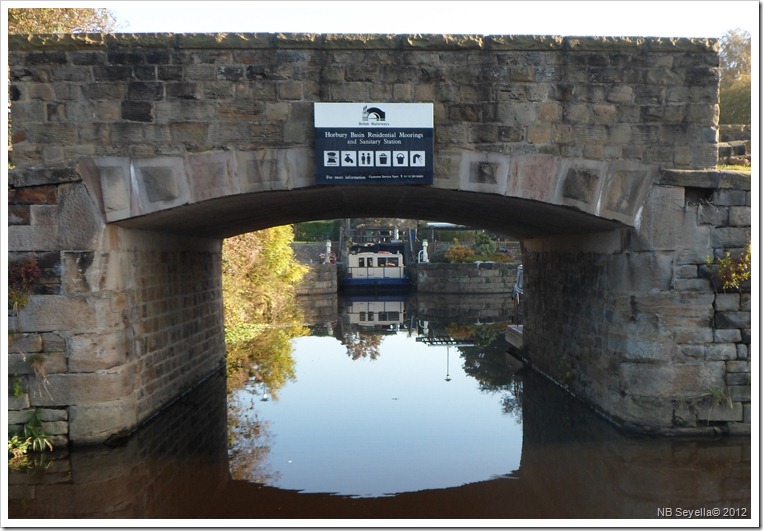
740, 216
533, 177
212, 175
114, 175
20, 417
53, 415
692, 284
93, 352
625, 189
739, 393
686, 272
24, 343
483, 172
731, 237
676, 380
95, 423
732, 319
641, 273
582, 183
737, 378
80, 215
730, 335
57, 312
665, 224
16, 403
690, 335
720, 351
82, 388
161, 183
742, 352
724, 197
721, 412
60, 427
726, 302
137, 111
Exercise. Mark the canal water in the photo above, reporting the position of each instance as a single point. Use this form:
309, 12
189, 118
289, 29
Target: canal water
391, 408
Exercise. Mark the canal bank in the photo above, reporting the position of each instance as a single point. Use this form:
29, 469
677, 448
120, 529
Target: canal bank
473, 278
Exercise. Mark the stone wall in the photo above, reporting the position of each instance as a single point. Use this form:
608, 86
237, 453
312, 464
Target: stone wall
637, 324
479, 277
320, 279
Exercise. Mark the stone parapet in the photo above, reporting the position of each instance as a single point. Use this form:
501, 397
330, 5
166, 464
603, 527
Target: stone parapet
88, 41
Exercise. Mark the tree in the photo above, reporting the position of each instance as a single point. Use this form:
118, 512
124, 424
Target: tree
60, 20
735, 96
736, 102
735, 55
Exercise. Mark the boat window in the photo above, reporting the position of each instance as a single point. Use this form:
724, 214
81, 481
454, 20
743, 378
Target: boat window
388, 262
361, 262
362, 316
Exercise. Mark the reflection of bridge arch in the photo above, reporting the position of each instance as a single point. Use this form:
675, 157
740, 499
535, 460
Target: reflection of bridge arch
577, 465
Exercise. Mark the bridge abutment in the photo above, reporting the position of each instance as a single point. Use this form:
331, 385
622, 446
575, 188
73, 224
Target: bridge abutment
116, 323
636, 323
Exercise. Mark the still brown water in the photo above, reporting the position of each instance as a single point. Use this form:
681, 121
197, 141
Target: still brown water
417, 413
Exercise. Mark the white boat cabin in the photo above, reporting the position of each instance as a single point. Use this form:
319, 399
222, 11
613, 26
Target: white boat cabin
375, 266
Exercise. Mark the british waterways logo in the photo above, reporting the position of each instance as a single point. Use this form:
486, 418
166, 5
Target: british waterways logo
373, 114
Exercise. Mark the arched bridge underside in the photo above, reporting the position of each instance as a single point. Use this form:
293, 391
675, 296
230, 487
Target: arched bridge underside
135, 155
219, 194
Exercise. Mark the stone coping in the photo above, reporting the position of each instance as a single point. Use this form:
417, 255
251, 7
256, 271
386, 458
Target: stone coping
739, 180
406, 42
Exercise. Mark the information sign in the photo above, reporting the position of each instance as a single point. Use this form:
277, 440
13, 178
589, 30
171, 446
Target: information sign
374, 143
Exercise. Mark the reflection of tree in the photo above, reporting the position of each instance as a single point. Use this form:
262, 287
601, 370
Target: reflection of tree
486, 363
360, 345
480, 334
266, 357
261, 318
511, 402
248, 443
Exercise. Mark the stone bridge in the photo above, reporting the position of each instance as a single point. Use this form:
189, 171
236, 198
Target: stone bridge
135, 155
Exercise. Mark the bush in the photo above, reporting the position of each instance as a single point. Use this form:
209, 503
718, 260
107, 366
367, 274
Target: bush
484, 245
459, 253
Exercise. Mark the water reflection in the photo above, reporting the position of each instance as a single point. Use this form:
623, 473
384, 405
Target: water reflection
370, 413
572, 464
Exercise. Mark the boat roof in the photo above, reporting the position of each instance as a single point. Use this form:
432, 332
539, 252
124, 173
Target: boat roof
377, 248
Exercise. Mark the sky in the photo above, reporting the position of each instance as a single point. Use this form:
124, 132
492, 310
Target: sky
569, 18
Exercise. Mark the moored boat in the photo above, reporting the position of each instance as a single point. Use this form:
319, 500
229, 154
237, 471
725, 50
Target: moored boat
375, 265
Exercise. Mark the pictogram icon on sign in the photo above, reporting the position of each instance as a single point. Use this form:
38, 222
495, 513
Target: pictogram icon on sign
383, 158
331, 158
400, 158
418, 158
349, 158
